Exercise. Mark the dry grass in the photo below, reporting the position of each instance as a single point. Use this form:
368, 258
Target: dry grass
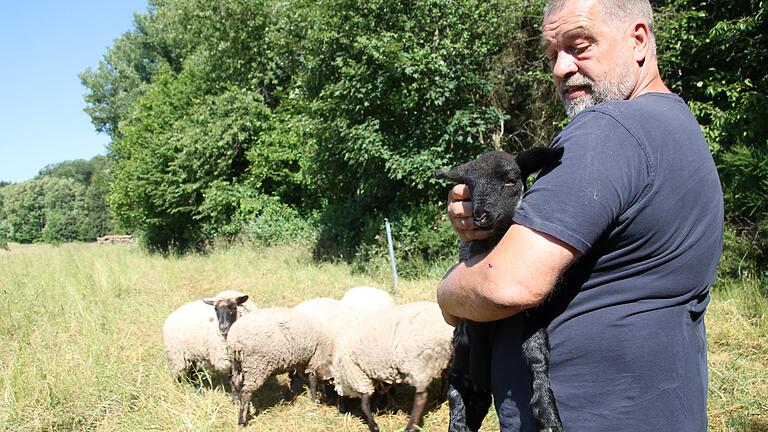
82, 350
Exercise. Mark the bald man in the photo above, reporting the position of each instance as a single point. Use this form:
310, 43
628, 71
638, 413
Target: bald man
615, 248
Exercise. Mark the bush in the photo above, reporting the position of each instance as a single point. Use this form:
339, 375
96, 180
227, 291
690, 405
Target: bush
3, 235
271, 222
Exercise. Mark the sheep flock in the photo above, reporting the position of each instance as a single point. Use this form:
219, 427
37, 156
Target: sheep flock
350, 348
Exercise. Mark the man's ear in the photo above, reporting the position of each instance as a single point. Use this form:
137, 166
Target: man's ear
641, 36
455, 175
537, 158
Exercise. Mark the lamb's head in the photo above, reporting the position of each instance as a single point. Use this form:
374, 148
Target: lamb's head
496, 181
226, 304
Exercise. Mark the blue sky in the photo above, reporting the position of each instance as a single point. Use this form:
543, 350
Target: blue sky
45, 45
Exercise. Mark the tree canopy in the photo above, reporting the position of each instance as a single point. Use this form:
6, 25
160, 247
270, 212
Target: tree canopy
318, 119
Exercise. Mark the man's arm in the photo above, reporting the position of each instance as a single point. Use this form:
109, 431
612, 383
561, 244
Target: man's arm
519, 273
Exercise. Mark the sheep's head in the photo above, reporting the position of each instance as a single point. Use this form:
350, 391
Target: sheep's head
496, 181
226, 310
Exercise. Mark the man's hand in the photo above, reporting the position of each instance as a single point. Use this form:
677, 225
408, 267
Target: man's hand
460, 214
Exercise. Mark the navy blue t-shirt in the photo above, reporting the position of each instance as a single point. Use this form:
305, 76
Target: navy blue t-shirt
637, 193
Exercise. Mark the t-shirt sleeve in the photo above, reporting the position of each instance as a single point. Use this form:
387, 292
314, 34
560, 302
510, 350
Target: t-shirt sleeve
604, 171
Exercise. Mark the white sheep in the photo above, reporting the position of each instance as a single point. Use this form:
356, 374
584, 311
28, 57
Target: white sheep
366, 299
408, 343
272, 341
334, 314
191, 336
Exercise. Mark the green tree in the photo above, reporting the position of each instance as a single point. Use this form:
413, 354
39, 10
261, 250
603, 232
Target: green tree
715, 55
128, 66
79, 170
180, 161
396, 90
4, 228
98, 219
24, 212
175, 154
64, 209
93, 175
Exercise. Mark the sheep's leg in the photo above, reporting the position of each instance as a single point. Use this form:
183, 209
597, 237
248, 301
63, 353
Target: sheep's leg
245, 403
419, 400
543, 406
236, 384
365, 405
313, 386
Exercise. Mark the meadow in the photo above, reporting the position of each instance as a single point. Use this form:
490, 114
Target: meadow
80, 331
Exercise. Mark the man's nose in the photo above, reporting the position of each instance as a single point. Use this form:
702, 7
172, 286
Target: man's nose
564, 66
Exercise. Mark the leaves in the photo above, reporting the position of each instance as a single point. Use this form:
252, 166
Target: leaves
226, 114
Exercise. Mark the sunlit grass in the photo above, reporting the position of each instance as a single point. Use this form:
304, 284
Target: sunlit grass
82, 347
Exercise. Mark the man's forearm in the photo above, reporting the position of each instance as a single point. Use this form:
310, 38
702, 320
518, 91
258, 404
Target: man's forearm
473, 290
517, 274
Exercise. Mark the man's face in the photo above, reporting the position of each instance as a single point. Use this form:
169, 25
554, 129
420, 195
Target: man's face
591, 59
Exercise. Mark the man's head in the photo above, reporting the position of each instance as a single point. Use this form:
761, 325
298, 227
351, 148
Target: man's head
599, 50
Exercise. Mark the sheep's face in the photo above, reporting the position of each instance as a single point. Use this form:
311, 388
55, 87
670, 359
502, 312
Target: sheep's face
226, 311
496, 181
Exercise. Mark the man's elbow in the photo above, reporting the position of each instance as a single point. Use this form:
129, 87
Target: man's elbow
516, 297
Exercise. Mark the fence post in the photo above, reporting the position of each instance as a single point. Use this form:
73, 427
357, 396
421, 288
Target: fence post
391, 255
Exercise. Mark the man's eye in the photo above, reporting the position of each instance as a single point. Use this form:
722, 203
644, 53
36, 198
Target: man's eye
578, 50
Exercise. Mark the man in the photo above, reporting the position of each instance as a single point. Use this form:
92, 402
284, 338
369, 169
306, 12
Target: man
617, 245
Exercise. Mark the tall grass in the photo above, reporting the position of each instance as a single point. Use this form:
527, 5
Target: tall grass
82, 348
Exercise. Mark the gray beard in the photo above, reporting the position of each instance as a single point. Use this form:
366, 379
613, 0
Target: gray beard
617, 86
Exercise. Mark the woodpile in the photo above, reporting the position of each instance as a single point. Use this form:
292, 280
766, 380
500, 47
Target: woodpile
115, 239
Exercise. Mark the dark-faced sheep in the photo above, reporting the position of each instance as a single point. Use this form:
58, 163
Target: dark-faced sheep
194, 337
496, 182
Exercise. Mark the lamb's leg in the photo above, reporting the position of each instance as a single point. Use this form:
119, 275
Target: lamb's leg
313, 386
419, 400
467, 403
365, 405
543, 406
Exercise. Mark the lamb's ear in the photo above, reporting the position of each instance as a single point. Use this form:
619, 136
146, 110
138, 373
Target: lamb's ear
242, 299
210, 301
537, 158
455, 175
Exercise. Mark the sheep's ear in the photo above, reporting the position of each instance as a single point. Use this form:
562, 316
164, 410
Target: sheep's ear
455, 175
210, 301
242, 299
537, 158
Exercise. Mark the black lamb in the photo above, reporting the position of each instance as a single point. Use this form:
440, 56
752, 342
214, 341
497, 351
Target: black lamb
496, 182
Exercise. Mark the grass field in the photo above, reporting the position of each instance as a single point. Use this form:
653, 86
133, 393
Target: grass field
82, 348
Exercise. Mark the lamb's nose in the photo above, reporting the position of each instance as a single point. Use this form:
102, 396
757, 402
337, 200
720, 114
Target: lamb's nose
480, 218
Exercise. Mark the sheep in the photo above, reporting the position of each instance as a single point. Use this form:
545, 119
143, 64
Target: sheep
272, 341
192, 339
334, 314
365, 299
409, 343
336, 317
496, 181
